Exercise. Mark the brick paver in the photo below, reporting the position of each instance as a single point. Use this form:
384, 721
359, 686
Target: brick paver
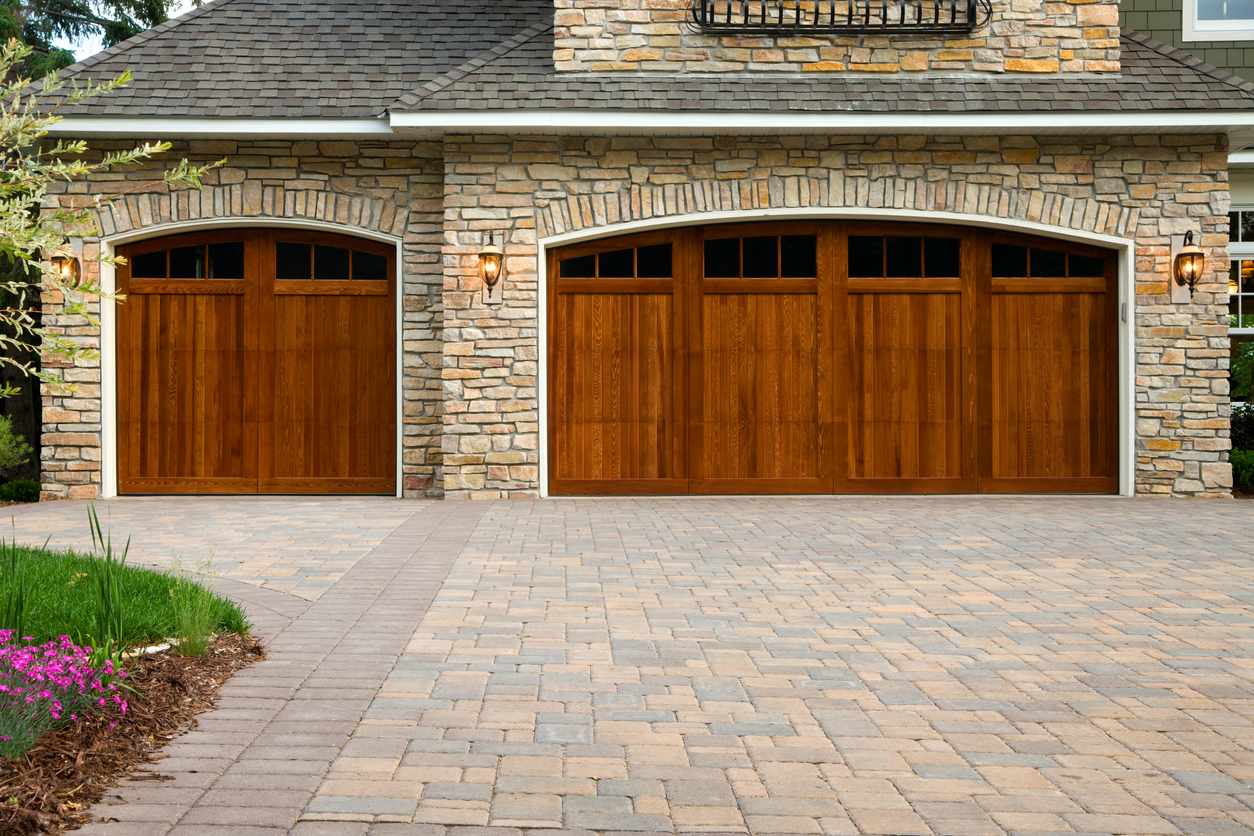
883, 667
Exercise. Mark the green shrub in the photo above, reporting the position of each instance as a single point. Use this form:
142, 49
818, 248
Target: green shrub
1243, 426
14, 451
1242, 468
20, 490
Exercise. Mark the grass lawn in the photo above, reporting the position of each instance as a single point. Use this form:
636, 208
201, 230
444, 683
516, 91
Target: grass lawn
61, 598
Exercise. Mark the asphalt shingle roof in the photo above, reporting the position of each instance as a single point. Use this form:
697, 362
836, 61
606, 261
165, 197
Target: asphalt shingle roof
330, 58
298, 58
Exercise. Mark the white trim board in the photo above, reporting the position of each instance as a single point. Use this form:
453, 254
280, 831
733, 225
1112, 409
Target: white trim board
645, 122
196, 127
1216, 31
1126, 289
108, 328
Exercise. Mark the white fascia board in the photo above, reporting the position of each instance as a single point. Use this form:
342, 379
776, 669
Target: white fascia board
1241, 159
600, 121
224, 128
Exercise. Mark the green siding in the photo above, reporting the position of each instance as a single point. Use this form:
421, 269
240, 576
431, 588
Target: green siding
1162, 20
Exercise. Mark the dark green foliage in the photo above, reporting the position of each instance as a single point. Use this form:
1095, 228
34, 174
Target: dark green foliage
20, 490
1243, 427
1241, 371
38, 23
62, 599
1243, 468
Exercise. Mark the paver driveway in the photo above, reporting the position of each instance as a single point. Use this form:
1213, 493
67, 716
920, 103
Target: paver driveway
954, 666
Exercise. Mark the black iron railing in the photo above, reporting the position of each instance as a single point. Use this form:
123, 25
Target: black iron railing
839, 17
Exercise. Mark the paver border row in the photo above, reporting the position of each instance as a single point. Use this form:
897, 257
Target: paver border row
253, 763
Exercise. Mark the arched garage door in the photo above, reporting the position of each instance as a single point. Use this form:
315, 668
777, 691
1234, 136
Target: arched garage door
257, 361
832, 357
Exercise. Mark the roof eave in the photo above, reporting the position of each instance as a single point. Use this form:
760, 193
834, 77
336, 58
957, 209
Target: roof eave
204, 127
1237, 123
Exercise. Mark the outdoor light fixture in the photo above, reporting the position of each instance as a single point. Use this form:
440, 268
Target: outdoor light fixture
1188, 263
66, 268
491, 260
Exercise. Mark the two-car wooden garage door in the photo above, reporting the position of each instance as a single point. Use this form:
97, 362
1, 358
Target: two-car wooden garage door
257, 361
832, 357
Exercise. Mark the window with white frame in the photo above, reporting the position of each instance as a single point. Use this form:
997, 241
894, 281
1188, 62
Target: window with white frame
1218, 20
1241, 302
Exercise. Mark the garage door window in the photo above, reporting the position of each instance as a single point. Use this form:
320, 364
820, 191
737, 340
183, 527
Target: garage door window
223, 260
903, 257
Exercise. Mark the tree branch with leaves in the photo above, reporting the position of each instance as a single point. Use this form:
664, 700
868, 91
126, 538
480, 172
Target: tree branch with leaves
32, 232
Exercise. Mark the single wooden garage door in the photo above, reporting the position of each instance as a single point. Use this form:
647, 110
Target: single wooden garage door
257, 361
832, 357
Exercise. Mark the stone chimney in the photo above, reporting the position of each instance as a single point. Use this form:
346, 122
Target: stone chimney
1014, 36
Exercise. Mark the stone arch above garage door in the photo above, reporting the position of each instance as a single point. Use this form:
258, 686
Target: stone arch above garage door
836, 190
253, 200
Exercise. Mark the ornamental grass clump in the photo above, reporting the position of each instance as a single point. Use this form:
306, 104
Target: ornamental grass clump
49, 685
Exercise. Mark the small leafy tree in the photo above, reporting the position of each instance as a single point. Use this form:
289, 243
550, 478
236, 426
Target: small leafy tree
14, 451
31, 233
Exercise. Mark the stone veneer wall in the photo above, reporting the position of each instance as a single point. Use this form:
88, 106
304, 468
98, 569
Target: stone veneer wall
1022, 36
478, 435
527, 188
390, 187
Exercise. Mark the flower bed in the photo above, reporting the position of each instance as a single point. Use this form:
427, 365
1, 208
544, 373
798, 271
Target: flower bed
48, 685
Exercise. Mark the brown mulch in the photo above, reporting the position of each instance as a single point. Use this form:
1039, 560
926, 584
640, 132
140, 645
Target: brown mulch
1242, 493
51, 788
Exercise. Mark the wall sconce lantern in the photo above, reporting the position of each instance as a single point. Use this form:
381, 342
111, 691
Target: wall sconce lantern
1188, 263
66, 267
491, 267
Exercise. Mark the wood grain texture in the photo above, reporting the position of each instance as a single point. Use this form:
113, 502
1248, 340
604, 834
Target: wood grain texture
759, 415
616, 416
1050, 386
905, 386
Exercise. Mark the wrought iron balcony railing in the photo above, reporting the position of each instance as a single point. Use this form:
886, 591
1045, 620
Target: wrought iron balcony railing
799, 18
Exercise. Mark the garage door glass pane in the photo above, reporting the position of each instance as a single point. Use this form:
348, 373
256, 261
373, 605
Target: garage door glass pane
1010, 261
331, 263
584, 267
187, 263
617, 264
722, 258
369, 268
293, 261
761, 255
654, 262
866, 257
1048, 263
905, 257
797, 256
149, 265
1083, 266
226, 261
941, 258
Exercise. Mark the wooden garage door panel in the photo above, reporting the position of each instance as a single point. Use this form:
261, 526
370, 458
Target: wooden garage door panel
1050, 398
334, 401
181, 412
905, 385
615, 420
760, 388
